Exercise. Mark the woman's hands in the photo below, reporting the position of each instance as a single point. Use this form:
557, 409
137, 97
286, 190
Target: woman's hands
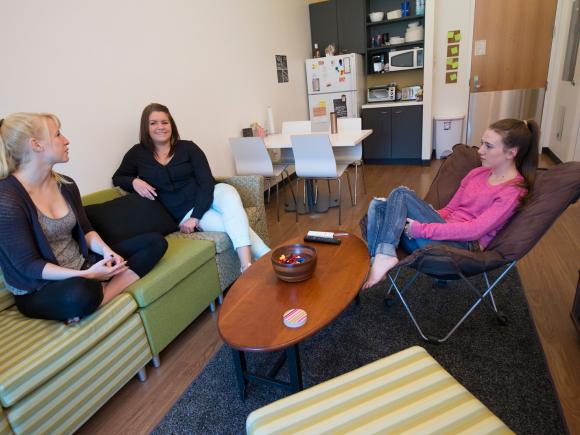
189, 226
112, 256
105, 270
144, 189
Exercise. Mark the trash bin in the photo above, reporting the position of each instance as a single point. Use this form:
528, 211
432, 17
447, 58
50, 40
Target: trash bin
447, 133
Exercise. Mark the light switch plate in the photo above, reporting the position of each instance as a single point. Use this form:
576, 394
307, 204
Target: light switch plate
480, 47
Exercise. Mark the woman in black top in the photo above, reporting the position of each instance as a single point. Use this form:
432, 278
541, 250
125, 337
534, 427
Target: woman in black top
177, 173
45, 236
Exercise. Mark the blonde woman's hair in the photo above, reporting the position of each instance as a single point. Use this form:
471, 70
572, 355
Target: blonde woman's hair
15, 132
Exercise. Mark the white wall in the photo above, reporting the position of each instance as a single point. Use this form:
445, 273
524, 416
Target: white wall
562, 98
452, 99
97, 64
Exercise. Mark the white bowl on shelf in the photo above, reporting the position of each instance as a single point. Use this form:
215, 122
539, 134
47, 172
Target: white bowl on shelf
413, 24
396, 40
393, 15
376, 16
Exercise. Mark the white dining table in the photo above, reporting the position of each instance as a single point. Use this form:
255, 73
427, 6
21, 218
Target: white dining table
340, 139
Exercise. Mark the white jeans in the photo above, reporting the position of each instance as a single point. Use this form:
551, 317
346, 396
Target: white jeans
227, 214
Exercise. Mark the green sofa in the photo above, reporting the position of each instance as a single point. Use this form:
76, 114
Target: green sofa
54, 377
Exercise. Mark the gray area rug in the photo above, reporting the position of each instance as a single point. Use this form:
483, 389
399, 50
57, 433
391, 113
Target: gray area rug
503, 366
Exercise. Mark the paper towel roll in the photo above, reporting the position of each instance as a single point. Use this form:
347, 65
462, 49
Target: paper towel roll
270, 121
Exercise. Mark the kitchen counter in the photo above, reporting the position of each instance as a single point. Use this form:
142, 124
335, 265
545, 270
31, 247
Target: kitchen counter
392, 104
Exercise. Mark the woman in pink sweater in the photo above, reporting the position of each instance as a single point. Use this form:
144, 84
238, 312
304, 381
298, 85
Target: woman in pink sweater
487, 197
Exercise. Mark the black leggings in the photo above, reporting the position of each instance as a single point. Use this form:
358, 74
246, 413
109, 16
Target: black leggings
79, 297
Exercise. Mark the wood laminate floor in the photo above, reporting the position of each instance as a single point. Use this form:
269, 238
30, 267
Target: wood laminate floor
549, 275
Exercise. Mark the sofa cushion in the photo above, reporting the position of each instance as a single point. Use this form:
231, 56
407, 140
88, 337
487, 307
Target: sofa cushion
182, 258
32, 351
221, 240
129, 216
6, 298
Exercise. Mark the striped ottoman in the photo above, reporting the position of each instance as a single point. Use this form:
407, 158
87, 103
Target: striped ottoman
408, 392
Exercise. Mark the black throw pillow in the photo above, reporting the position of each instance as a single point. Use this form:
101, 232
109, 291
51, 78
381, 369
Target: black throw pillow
129, 216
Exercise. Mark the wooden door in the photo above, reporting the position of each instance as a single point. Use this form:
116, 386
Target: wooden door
518, 39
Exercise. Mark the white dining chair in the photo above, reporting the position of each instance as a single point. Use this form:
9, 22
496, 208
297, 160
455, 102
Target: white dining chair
314, 160
251, 158
288, 128
351, 155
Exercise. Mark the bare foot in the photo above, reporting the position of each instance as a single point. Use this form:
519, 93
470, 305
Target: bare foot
381, 265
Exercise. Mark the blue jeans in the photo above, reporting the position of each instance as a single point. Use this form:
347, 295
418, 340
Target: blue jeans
387, 217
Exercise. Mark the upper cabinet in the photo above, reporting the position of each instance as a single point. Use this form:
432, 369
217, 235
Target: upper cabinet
339, 22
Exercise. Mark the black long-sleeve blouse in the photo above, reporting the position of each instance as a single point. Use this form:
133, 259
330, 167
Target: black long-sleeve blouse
184, 183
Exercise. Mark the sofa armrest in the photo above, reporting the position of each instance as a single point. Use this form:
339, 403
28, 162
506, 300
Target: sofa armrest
251, 190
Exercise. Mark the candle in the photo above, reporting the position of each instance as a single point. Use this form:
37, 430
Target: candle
270, 121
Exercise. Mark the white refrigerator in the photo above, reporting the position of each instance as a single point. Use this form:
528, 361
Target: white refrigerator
335, 84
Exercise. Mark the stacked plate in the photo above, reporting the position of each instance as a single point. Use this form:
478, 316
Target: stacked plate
414, 32
396, 40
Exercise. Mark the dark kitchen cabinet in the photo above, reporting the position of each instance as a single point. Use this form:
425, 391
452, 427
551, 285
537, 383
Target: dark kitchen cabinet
407, 131
351, 18
340, 22
378, 145
397, 134
323, 24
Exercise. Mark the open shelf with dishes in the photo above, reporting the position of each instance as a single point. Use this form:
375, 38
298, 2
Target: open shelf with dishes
403, 31
396, 20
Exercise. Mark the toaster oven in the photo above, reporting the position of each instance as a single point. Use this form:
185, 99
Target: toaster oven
381, 93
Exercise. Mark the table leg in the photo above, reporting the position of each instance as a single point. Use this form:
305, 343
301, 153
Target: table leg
294, 369
240, 364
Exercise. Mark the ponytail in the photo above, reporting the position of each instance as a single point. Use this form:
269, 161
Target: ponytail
525, 137
6, 161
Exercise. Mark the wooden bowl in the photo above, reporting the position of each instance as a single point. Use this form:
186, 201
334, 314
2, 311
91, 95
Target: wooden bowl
294, 272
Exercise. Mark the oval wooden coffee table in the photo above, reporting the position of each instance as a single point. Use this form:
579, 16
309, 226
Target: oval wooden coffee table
250, 318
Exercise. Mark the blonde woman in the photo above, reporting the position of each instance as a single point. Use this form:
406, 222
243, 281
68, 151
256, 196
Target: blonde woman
54, 263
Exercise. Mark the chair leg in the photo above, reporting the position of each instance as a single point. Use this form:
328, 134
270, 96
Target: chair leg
355, 181
339, 191
349, 189
315, 192
362, 172
269, 186
277, 204
293, 196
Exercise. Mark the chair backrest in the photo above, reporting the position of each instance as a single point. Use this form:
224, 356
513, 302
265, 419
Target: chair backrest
296, 127
313, 155
349, 124
251, 156
554, 190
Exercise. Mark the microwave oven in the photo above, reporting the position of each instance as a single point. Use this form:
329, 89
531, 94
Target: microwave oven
406, 59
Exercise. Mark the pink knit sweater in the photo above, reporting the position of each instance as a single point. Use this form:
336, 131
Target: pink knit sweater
477, 211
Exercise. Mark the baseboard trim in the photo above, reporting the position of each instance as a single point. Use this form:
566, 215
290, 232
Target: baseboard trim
550, 153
